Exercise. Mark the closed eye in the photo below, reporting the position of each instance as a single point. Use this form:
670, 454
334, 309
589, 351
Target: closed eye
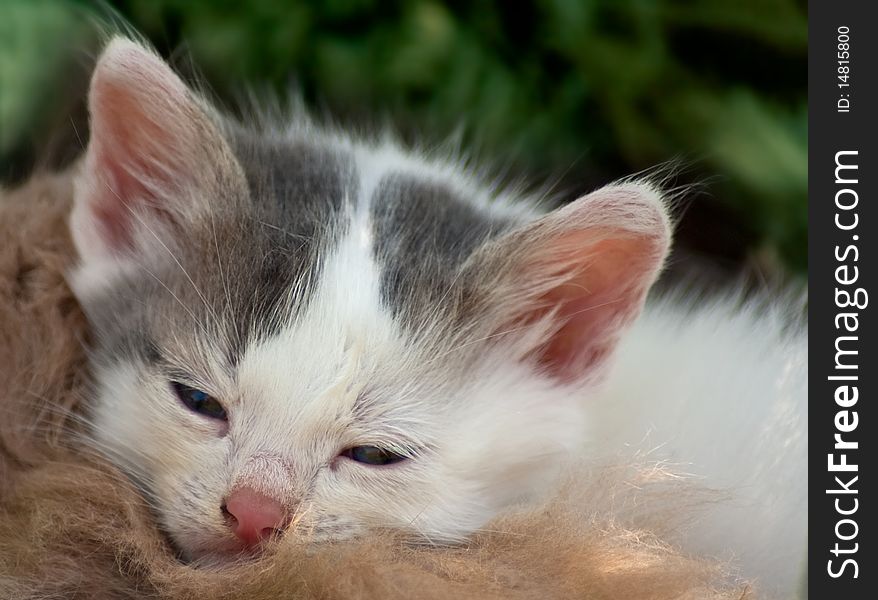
373, 455
199, 402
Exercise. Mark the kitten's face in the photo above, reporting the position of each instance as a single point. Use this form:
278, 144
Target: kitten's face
312, 337
475, 437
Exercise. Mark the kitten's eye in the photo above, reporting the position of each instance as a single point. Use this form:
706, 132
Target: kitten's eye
200, 402
372, 455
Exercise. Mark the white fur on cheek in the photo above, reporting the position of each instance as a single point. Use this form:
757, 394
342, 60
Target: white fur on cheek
175, 455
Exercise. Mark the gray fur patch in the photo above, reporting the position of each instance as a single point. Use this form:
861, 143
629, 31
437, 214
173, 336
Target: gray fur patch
299, 191
248, 268
423, 234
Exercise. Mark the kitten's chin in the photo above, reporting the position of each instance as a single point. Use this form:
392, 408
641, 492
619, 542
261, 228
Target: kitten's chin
222, 552
219, 553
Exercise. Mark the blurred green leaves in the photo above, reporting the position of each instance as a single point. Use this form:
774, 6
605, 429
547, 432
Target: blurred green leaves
30, 58
593, 88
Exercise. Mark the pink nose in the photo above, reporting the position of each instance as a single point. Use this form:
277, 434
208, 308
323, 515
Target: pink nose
255, 516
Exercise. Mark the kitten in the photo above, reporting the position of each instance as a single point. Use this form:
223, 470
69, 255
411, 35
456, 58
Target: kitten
303, 335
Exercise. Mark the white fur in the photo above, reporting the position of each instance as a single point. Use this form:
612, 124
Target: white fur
718, 388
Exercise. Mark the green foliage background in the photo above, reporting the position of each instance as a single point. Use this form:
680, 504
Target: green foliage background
586, 90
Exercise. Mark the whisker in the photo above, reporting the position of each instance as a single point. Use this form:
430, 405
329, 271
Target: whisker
178, 263
170, 253
221, 270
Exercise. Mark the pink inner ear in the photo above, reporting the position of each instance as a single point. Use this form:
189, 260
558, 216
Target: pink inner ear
603, 291
117, 192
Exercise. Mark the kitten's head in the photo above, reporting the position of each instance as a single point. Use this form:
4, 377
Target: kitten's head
302, 334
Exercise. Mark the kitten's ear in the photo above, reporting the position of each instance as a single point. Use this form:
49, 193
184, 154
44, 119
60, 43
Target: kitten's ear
153, 158
583, 273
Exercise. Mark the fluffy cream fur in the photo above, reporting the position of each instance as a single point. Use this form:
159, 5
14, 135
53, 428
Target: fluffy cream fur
71, 526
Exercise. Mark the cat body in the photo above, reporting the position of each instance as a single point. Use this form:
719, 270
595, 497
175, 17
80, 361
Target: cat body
715, 389
301, 335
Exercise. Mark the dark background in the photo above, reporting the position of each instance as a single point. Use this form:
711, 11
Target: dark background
573, 93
